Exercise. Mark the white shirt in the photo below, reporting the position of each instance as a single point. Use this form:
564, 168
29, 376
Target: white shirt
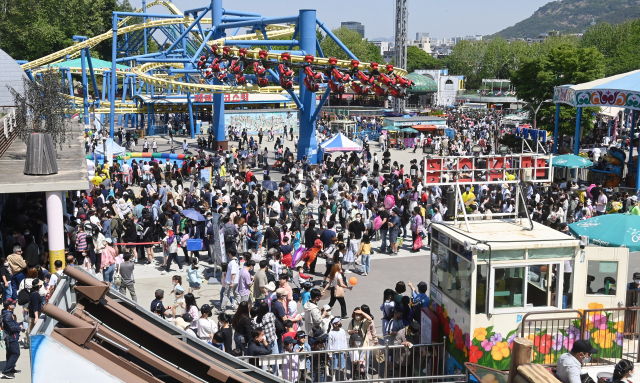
232, 269
206, 327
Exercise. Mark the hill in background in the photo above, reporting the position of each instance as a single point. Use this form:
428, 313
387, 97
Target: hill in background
572, 16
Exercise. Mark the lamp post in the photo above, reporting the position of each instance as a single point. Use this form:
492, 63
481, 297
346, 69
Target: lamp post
535, 112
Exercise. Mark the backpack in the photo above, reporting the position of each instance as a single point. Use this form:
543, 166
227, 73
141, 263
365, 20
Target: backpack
23, 297
389, 201
299, 209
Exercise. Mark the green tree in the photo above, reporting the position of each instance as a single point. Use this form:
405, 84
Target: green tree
33, 29
619, 43
566, 63
362, 49
467, 59
419, 59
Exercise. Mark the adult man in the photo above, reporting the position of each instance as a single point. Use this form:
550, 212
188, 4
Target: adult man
35, 305
601, 203
245, 281
11, 330
55, 277
232, 278
16, 262
570, 363
312, 314
384, 229
357, 228
260, 282
279, 310
157, 306
634, 209
394, 230
326, 235
128, 281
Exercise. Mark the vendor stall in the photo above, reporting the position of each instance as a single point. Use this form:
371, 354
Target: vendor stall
497, 280
347, 127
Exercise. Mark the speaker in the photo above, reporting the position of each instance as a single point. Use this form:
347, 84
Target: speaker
427, 149
451, 205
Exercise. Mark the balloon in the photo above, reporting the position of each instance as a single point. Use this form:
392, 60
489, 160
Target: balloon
353, 281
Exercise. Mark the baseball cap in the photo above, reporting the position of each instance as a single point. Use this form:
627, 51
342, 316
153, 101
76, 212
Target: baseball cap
335, 321
582, 345
271, 286
205, 308
280, 292
326, 308
301, 334
289, 340
415, 327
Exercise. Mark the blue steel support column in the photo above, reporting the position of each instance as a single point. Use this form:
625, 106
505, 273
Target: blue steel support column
576, 145
555, 131
632, 135
112, 88
85, 90
144, 20
307, 145
96, 95
217, 113
190, 106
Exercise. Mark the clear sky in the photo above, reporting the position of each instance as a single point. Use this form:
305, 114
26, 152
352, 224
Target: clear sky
440, 18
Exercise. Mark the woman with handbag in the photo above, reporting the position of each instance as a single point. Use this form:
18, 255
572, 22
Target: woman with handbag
416, 229
337, 286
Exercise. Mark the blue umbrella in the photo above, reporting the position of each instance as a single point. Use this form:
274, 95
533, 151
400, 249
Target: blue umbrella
192, 214
270, 185
610, 230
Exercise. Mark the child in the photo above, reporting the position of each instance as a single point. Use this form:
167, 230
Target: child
179, 301
358, 357
302, 277
365, 252
303, 346
176, 280
420, 299
194, 276
293, 315
290, 367
218, 340
223, 278
287, 251
387, 308
350, 256
224, 325
289, 331
306, 294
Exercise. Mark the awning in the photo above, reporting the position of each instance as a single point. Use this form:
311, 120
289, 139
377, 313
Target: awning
425, 128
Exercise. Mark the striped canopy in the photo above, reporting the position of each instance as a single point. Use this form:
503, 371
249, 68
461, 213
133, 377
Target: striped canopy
340, 143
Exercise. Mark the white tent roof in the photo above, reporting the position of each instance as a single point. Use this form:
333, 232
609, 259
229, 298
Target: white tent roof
112, 148
622, 90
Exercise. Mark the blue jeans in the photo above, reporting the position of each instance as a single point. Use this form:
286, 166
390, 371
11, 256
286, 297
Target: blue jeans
274, 351
6, 291
366, 262
107, 274
318, 376
251, 242
383, 234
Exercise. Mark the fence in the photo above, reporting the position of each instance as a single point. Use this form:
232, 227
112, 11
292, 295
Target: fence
420, 363
614, 332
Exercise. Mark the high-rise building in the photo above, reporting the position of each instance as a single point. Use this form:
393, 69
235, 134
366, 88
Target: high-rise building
420, 35
354, 26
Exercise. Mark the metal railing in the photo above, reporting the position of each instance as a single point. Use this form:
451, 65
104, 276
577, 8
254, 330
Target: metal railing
420, 363
614, 332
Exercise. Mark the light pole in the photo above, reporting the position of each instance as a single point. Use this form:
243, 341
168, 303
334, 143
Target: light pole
535, 112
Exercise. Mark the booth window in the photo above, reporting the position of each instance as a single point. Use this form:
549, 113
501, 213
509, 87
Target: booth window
601, 277
451, 273
523, 286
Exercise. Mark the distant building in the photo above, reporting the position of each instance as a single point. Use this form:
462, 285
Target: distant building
420, 35
383, 45
423, 43
354, 26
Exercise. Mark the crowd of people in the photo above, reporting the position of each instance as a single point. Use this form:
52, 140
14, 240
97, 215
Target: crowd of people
266, 238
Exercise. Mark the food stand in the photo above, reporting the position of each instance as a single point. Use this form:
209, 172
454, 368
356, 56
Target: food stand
488, 280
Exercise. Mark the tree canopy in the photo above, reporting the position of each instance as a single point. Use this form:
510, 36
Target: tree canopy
419, 59
33, 29
564, 64
361, 48
619, 43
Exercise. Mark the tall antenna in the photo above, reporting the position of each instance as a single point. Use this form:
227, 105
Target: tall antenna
402, 17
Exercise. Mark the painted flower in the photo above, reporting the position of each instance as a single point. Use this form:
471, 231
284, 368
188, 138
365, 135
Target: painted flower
467, 340
603, 338
619, 326
487, 345
500, 351
480, 333
598, 322
445, 313
568, 343
457, 336
619, 339
496, 338
475, 354
549, 359
596, 305
543, 343
558, 342
510, 341
450, 336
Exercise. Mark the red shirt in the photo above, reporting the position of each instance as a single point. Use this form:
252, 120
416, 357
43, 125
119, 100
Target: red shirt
249, 175
290, 333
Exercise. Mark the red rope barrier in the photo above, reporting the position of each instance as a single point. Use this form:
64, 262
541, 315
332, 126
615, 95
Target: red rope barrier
138, 243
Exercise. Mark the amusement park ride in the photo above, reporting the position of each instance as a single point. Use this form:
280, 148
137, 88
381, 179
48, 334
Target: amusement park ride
202, 58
